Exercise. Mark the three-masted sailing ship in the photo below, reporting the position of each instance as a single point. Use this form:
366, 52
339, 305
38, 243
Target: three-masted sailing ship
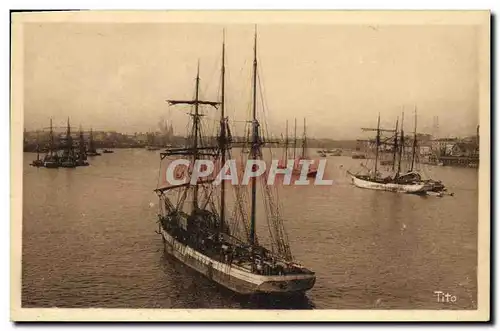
226, 248
398, 181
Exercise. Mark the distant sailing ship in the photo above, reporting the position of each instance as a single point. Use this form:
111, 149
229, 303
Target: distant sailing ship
38, 162
64, 154
68, 157
51, 159
205, 238
81, 155
91, 151
304, 156
152, 143
410, 182
297, 167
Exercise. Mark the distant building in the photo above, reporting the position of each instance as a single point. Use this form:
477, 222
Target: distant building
465, 149
442, 146
425, 150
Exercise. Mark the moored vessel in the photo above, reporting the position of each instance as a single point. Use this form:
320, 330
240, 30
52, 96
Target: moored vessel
393, 182
225, 248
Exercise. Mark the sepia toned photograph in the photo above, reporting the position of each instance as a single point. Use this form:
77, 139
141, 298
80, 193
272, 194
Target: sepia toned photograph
233, 165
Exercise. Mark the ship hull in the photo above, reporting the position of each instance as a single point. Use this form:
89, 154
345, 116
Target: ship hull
391, 187
233, 277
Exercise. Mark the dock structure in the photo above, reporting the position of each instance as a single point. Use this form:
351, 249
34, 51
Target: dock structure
459, 161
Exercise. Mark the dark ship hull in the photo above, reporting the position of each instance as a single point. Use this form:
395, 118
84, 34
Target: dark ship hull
237, 278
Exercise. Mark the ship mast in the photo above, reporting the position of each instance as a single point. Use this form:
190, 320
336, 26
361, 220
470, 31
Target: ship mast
395, 146
196, 120
195, 149
91, 141
37, 147
51, 139
414, 147
223, 139
295, 139
401, 144
82, 146
69, 142
304, 140
255, 143
286, 142
377, 142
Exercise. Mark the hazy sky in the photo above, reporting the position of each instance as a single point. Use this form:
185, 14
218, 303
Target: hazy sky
117, 76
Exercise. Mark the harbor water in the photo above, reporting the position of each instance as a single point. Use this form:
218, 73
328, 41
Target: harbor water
89, 241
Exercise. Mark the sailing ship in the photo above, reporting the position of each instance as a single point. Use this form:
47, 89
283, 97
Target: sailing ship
304, 156
38, 162
297, 167
409, 182
205, 239
51, 159
67, 159
91, 151
152, 143
81, 155
283, 163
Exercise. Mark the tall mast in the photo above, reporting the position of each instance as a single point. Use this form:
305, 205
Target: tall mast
82, 145
294, 139
377, 142
91, 141
196, 120
69, 142
51, 139
304, 140
194, 149
395, 146
414, 147
286, 142
37, 147
255, 142
401, 144
222, 140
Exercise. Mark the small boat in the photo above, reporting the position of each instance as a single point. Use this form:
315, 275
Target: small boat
37, 163
51, 162
107, 151
152, 148
336, 152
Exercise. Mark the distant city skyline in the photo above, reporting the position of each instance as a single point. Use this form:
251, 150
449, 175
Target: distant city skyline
117, 76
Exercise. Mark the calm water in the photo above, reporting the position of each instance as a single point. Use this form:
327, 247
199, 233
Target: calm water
89, 241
